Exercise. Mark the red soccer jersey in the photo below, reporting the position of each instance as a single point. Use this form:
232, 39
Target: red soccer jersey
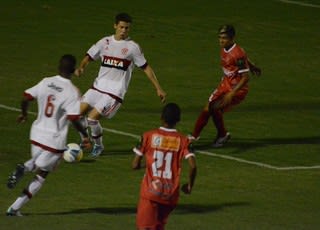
163, 149
234, 62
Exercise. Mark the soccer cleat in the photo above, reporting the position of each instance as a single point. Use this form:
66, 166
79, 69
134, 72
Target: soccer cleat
220, 141
192, 138
12, 212
15, 176
96, 150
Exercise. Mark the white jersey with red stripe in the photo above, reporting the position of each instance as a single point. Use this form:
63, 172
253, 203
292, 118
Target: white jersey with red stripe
58, 100
118, 58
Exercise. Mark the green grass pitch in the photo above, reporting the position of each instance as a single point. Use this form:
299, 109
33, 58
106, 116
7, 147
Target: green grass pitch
267, 177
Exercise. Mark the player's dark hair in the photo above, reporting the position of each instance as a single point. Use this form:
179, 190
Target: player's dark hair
124, 17
67, 64
228, 30
171, 114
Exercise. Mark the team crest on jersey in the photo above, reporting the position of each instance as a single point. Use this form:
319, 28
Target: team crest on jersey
124, 51
113, 62
165, 142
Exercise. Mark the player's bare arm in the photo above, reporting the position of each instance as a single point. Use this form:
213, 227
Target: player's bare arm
255, 70
24, 110
187, 188
136, 163
83, 64
226, 100
152, 77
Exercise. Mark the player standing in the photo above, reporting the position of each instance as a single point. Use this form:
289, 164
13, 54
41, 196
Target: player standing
58, 103
232, 89
118, 55
164, 149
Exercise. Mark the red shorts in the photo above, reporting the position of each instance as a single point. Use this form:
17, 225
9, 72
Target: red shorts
152, 215
225, 87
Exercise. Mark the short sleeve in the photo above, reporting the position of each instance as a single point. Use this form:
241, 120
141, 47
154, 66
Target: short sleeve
138, 56
94, 51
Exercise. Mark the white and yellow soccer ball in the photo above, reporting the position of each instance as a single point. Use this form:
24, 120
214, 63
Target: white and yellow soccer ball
73, 153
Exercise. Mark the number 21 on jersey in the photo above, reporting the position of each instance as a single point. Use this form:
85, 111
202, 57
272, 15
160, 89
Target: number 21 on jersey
162, 159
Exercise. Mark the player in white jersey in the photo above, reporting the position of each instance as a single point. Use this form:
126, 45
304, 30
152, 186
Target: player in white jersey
58, 103
118, 55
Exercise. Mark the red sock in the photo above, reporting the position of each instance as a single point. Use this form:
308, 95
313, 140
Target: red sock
217, 117
201, 123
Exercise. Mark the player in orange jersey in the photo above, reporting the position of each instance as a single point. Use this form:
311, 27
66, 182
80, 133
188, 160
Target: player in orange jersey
164, 149
232, 89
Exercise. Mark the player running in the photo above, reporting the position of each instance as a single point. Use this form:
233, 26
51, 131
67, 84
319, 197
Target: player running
164, 149
118, 55
58, 103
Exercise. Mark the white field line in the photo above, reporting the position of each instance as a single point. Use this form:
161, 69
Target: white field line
300, 3
262, 165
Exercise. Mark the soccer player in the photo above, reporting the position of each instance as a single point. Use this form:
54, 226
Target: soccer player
232, 89
163, 149
118, 55
58, 103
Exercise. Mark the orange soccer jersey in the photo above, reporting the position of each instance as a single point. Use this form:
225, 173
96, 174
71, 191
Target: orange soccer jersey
234, 62
163, 149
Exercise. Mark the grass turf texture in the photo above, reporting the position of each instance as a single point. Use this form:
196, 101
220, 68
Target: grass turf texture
278, 124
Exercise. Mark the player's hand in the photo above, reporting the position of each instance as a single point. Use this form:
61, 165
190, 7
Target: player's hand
255, 70
78, 72
226, 100
162, 95
86, 143
22, 118
186, 188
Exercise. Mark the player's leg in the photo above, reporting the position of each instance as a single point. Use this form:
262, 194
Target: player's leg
201, 122
96, 132
217, 117
147, 215
45, 163
84, 108
21, 169
107, 106
33, 187
163, 215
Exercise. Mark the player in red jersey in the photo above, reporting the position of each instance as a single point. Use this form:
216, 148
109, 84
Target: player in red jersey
164, 149
232, 89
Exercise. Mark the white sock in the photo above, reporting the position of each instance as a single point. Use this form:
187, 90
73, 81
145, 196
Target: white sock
96, 131
28, 193
84, 122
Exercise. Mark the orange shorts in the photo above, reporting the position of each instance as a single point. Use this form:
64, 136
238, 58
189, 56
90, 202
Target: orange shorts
152, 215
225, 87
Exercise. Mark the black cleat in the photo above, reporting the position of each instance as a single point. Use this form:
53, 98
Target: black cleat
15, 176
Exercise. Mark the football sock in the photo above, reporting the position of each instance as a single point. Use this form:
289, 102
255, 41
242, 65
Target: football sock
84, 123
201, 123
29, 192
96, 131
217, 117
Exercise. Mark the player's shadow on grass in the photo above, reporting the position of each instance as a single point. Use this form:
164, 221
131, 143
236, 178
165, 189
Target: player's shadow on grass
181, 209
238, 145
101, 210
199, 209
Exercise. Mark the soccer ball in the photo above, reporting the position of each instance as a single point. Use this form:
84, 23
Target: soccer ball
73, 153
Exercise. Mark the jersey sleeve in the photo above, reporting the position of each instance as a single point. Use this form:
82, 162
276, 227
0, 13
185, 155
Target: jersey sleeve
94, 51
138, 56
188, 150
34, 91
139, 149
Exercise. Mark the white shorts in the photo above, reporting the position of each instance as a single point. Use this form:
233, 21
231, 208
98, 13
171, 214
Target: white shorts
42, 159
106, 105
